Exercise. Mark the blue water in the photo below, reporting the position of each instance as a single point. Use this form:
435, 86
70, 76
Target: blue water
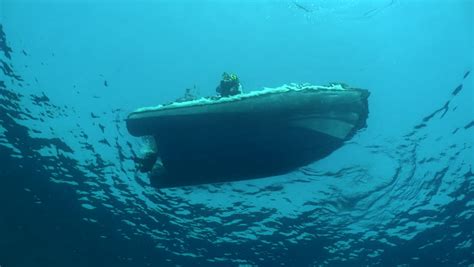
400, 193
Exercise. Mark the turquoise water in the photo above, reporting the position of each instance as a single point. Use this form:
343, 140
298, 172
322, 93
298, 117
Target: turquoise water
400, 193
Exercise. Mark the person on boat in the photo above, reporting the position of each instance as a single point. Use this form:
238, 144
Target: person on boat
189, 95
229, 85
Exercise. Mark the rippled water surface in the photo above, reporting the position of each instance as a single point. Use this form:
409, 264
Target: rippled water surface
400, 193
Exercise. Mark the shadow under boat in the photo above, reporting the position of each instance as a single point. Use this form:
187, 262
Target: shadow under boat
254, 135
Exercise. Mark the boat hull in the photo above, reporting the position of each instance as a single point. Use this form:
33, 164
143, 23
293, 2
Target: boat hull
249, 138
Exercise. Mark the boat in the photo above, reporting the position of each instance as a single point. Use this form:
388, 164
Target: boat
250, 135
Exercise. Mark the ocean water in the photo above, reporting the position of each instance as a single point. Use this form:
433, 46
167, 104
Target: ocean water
400, 193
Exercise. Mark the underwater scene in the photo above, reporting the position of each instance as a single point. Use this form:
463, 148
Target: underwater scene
236, 133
